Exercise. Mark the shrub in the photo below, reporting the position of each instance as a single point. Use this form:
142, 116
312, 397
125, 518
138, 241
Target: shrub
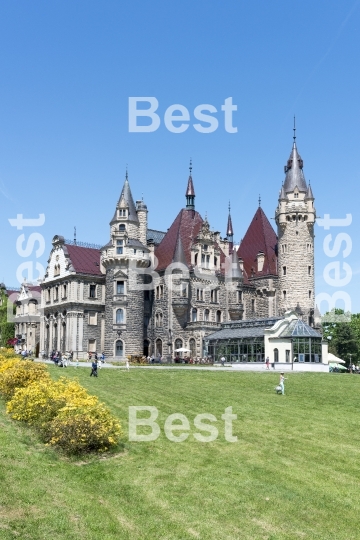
83, 429
16, 373
6, 353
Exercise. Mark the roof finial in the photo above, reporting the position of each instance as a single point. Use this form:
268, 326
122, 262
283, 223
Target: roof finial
190, 166
126, 173
75, 236
294, 129
259, 200
229, 207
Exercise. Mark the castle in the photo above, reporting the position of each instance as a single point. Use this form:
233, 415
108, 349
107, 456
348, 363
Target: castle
149, 292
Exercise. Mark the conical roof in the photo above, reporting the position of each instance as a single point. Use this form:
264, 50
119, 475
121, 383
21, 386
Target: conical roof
309, 193
190, 191
294, 172
126, 201
229, 228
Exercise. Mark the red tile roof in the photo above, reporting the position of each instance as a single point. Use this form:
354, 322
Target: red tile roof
187, 225
85, 260
260, 236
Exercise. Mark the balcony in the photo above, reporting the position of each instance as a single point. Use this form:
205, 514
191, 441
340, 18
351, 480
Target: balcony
180, 306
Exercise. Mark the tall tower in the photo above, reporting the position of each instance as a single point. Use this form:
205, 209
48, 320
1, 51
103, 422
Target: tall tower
123, 257
295, 218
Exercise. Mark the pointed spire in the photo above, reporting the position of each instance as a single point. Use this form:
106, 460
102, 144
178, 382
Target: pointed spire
309, 193
190, 191
126, 201
294, 170
179, 255
282, 194
229, 228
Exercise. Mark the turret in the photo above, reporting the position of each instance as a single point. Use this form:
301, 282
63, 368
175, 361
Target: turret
230, 232
295, 217
190, 191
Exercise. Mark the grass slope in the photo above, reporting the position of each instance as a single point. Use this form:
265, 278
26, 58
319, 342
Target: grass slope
293, 474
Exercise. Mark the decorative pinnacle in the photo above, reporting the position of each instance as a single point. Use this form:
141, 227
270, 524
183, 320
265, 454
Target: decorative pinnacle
259, 200
126, 173
229, 207
190, 166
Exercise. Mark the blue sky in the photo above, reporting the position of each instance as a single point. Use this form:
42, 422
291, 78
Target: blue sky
68, 68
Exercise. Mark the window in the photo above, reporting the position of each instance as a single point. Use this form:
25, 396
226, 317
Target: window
158, 320
309, 294
218, 316
92, 345
92, 293
159, 292
194, 315
309, 270
184, 290
215, 262
119, 348
296, 195
158, 346
206, 315
122, 212
284, 248
196, 258
56, 294
178, 344
276, 355
64, 291
122, 227
205, 247
48, 295
253, 305
119, 316
284, 270
92, 318
239, 297
119, 247
200, 294
287, 355
214, 295
205, 261
284, 295
56, 270
192, 347
120, 287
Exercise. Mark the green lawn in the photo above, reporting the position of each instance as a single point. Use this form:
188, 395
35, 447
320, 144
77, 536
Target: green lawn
293, 474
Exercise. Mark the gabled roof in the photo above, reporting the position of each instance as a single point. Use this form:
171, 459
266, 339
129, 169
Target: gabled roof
186, 226
260, 237
84, 260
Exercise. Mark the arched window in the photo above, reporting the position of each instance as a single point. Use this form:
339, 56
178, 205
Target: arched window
276, 355
192, 347
178, 344
122, 227
119, 316
206, 315
194, 315
218, 316
158, 320
158, 346
119, 348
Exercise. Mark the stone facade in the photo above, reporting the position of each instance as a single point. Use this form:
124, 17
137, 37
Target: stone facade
147, 292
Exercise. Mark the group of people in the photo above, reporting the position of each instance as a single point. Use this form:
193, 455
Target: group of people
60, 359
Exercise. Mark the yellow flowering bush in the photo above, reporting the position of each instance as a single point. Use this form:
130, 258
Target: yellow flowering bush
7, 353
83, 429
19, 374
63, 412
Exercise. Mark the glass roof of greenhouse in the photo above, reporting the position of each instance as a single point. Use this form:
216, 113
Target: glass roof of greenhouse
299, 329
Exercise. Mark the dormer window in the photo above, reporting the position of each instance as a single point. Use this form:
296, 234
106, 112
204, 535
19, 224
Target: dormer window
296, 195
122, 212
260, 261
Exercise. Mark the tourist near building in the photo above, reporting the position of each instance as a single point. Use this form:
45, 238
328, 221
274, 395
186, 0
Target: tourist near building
150, 292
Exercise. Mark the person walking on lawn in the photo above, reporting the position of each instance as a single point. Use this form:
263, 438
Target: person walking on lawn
281, 383
94, 367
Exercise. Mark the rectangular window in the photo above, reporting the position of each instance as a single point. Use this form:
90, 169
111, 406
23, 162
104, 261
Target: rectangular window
92, 293
284, 295
287, 355
48, 295
64, 291
122, 212
119, 247
93, 318
309, 270
284, 270
56, 294
184, 290
309, 294
92, 345
120, 287
253, 305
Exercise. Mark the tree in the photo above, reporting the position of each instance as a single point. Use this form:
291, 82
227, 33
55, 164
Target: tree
343, 333
7, 329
